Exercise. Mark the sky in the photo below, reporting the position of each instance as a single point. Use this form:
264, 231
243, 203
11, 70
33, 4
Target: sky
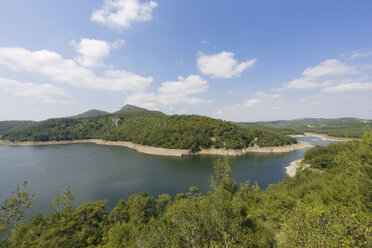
241, 60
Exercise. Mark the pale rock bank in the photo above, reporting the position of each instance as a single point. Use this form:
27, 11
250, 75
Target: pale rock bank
166, 151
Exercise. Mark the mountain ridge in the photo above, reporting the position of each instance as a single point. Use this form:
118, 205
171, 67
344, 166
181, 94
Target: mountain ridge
346, 127
151, 128
90, 113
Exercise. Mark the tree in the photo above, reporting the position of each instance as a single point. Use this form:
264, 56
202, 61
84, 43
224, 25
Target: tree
321, 226
161, 204
62, 201
223, 172
12, 211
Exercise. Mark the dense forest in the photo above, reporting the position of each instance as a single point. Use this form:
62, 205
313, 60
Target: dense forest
341, 127
150, 128
13, 126
325, 205
272, 129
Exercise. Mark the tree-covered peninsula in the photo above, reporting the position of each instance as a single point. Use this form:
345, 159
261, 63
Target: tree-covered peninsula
327, 204
150, 128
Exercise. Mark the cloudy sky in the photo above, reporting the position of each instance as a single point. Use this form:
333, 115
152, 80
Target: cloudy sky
247, 60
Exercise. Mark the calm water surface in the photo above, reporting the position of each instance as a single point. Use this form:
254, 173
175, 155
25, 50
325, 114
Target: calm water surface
111, 172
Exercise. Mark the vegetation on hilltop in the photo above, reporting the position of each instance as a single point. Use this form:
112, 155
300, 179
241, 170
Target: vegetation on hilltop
134, 110
341, 127
272, 129
90, 113
13, 126
326, 208
151, 128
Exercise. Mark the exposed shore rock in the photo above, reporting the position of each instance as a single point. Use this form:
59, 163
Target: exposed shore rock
274, 149
139, 148
292, 168
164, 151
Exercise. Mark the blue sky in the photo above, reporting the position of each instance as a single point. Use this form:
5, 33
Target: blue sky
233, 60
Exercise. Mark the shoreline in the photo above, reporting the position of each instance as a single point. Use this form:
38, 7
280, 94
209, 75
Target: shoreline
323, 137
271, 149
165, 151
291, 169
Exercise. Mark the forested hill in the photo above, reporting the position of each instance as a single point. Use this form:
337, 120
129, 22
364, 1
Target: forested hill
151, 128
340, 127
325, 205
90, 113
12, 126
134, 110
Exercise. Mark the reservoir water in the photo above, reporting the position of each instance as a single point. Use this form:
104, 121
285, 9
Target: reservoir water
97, 172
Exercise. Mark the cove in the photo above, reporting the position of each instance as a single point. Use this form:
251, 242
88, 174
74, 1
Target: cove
97, 172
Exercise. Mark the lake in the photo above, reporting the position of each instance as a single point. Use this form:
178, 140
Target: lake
98, 172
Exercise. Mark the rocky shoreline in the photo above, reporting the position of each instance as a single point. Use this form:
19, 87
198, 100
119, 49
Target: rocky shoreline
165, 151
292, 168
272, 149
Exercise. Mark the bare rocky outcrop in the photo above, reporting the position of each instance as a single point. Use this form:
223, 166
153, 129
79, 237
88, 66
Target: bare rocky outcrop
116, 121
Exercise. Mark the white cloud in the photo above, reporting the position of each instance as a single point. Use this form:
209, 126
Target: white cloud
46, 92
265, 95
121, 14
93, 52
251, 102
357, 55
172, 93
191, 85
302, 84
328, 72
51, 64
349, 87
328, 68
327, 83
117, 44
219, 112
222, 65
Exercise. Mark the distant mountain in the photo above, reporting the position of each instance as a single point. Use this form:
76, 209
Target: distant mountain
151, 128
131, 110
338, 127
90, 113
305, 121
126, 111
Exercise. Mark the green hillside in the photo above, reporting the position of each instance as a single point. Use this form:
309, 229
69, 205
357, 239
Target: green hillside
134, 110
12, 126
90, 113
341, 127
272, 129
151, 128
